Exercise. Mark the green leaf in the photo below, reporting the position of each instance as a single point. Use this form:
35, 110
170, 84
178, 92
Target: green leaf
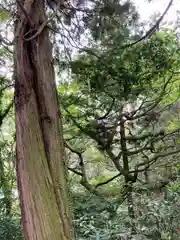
4, 15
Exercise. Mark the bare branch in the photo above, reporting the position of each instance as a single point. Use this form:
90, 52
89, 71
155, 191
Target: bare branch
153, 159
4, 88
165, 154
108, 111
5, 41
44, 24
75, 171
41, 28
146, 135
151, 31
5, 113
155, 104
108, 181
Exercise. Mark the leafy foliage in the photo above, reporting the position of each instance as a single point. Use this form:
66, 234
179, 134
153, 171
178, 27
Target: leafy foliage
10, 228
159, 222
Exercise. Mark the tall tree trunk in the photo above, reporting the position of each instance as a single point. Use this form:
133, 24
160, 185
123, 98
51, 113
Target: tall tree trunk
40, 151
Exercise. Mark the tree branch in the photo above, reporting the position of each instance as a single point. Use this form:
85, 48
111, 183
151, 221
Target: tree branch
156, 102
152, 29
108, 181
5, 113
153, 159
165, 154
146, 135
4, 88
75, 171
108, 111
5, 41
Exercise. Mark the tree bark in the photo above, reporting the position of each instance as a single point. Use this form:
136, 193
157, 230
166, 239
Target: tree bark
128, 183
40, 151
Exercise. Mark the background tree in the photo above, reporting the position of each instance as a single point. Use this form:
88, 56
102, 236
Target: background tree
128, 126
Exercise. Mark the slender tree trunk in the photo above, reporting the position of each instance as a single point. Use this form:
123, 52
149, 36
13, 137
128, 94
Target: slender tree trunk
130, 201
128, 183
130, 204
40, 152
